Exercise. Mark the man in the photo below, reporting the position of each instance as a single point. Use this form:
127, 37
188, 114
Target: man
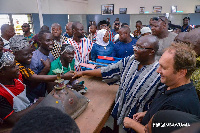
23, 55
176, 66
93, 32
46, 40
7, 31
137, 76
81, 44
116, 27
68, 28
186, 27
123, 48
56, 30
26, 29
137, 32
160, 29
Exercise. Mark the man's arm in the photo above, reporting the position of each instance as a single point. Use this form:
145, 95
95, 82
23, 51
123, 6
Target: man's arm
95, 73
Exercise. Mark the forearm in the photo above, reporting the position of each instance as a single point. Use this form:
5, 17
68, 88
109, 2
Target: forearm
95, 73
44, 71
139, 128
12, 119
43, 78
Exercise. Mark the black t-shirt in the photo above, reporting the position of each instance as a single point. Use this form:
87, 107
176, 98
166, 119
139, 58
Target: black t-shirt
5, 108
183, 98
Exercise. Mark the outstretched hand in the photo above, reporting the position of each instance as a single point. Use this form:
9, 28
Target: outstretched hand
77, 75
69, 75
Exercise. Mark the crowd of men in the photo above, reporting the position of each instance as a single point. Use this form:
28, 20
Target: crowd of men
159, 69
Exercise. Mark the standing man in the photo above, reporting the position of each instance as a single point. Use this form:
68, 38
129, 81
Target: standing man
137, 76
27, 34
123, 48
186, 27
116, 27
68, 28
7, 31
41, 58
137, 32
104, 25
81, 44
93, 32
177, 64
160, 29
56, 30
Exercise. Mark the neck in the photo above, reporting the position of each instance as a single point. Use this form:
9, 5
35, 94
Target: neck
77, 39
128, 40
5, 37
63, 62
45, 52
57, 38
148, 62
163, 35
179, 83
26, 34
6, 81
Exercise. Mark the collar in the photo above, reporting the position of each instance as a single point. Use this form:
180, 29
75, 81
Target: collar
178, 89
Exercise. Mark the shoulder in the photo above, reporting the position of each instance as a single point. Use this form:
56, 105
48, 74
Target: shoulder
172, 34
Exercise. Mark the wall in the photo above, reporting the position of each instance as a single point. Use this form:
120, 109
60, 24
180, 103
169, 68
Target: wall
187, 6
93, 6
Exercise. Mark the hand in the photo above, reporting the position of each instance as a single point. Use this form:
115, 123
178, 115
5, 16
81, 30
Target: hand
139, 116
78, 86
47, 63
68, 75
128, 122
77, 75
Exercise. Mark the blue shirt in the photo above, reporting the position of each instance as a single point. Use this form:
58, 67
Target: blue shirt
102, 51
183, 98
122, 49
37, 66
114, 32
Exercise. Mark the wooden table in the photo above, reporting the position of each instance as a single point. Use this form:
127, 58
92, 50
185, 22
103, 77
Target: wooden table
100, 106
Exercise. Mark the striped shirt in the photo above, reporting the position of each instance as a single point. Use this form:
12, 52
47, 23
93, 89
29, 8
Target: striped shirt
82, 50
26, 72
136, 89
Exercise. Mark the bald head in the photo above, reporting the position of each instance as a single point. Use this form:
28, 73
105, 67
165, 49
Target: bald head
56, 30
7, 31
152, 41
181, 37
68, 28
126, 28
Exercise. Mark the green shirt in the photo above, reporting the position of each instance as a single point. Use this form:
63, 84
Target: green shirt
57, 64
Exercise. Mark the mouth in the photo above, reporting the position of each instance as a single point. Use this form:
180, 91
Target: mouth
50, 46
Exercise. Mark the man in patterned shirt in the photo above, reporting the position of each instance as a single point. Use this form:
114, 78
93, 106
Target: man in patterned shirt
56, 30
137, 76
81, 44
27, 34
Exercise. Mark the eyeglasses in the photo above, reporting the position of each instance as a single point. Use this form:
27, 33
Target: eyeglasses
117, 23
25, 26
140, 48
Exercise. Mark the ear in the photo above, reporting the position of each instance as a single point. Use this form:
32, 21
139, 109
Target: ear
182, 72
152, 52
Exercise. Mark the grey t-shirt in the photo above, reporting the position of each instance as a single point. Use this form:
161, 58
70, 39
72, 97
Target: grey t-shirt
164, 43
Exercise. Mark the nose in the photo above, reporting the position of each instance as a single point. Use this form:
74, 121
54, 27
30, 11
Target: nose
158, 70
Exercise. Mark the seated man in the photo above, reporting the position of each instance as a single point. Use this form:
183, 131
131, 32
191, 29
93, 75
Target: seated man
14, 103
23, 55
176, 66
138, 78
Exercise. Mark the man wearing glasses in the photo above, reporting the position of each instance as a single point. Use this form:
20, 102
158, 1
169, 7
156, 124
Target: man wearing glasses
116, 27
160, 29
137, 76
27, 33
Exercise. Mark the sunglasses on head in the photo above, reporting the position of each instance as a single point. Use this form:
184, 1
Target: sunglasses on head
158, 18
